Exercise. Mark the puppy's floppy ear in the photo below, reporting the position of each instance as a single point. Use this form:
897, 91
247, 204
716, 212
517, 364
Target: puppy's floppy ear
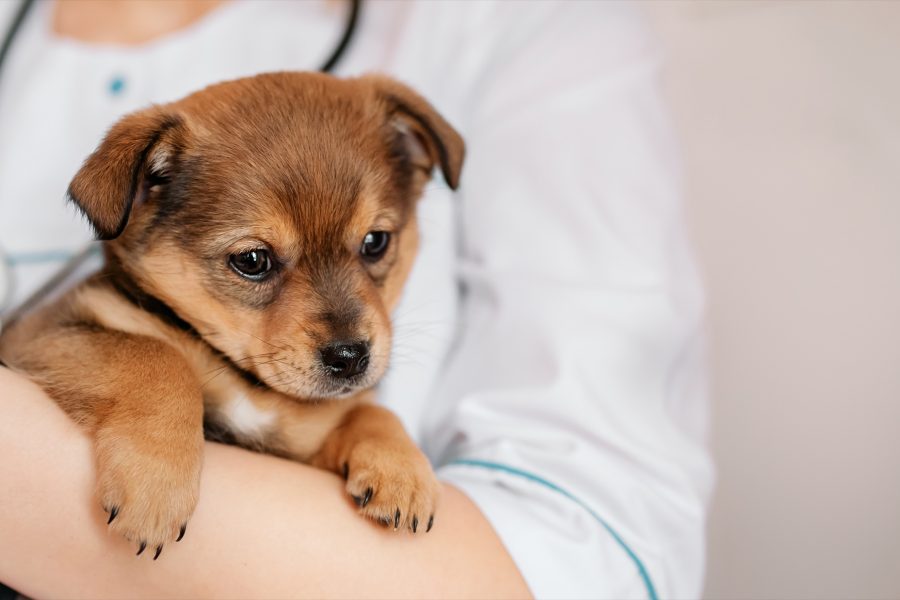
140, 146
429, 139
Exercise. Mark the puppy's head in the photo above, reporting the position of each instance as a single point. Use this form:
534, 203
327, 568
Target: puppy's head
276, 215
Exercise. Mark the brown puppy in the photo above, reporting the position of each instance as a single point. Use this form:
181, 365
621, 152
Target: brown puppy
257, 235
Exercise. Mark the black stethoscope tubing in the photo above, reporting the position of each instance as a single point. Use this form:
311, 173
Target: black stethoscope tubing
13, 29
6, 318
327, 66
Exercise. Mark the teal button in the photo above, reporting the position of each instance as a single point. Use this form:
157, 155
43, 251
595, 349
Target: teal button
116, 85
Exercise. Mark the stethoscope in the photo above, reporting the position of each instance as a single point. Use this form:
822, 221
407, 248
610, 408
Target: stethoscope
10, 313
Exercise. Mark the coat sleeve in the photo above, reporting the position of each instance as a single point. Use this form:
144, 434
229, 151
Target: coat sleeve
573, 408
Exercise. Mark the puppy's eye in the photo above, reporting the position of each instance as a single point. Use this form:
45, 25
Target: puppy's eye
252, 264
375, 244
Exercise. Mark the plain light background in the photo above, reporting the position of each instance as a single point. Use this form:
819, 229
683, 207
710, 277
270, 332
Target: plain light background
789, 118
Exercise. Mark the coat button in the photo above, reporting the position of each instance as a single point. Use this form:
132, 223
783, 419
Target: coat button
116, 85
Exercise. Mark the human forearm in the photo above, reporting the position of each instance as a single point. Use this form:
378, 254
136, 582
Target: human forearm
264, 527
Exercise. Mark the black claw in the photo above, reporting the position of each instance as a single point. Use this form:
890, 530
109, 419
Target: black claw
430, 523
415, 524
368, 496
397, 519
142, 548
113, 514
357, 499
386, 521
181, 532
158, 552
346, 470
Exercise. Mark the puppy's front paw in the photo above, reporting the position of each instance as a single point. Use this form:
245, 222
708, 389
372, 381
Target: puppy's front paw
393, 485
148, 493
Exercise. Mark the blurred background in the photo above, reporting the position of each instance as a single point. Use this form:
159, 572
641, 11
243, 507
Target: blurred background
789, 118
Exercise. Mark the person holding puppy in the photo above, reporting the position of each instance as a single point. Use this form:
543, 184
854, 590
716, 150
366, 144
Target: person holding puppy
559, 396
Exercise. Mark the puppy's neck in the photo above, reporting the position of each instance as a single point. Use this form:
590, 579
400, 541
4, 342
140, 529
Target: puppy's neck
127, 286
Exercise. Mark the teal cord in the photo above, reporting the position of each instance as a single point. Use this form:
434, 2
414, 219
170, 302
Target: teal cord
36, 258
642, 570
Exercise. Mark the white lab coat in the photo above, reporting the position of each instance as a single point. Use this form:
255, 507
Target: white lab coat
564, 388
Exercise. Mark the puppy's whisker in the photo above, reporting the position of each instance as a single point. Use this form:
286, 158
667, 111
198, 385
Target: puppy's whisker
268, 343
303, 326
404, 311
401, 325
255, 356
281, 378
285, 363
405, 361
216, 372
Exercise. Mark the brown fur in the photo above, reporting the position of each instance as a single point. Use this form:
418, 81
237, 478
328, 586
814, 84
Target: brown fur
168, 335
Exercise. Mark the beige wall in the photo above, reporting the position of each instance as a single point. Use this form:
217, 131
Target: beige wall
789, 114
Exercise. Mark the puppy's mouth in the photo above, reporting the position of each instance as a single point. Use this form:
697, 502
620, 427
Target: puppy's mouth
335, 371
337, 391
322, 387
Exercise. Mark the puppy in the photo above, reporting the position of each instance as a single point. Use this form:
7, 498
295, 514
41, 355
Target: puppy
257, 235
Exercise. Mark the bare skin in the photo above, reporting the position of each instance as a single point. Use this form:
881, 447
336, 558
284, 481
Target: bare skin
264, 527
128, 23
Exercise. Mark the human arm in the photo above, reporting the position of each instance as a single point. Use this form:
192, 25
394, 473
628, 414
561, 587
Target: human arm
264, 527
573, 409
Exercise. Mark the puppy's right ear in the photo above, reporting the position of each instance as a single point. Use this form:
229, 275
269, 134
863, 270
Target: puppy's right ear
427, 137
140, 146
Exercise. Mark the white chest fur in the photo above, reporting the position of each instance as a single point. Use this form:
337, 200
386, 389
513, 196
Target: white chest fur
245, 417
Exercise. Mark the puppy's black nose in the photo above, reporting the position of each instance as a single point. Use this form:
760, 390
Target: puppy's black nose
345, 360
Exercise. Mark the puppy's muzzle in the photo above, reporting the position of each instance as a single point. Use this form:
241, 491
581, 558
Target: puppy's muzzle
345, 360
